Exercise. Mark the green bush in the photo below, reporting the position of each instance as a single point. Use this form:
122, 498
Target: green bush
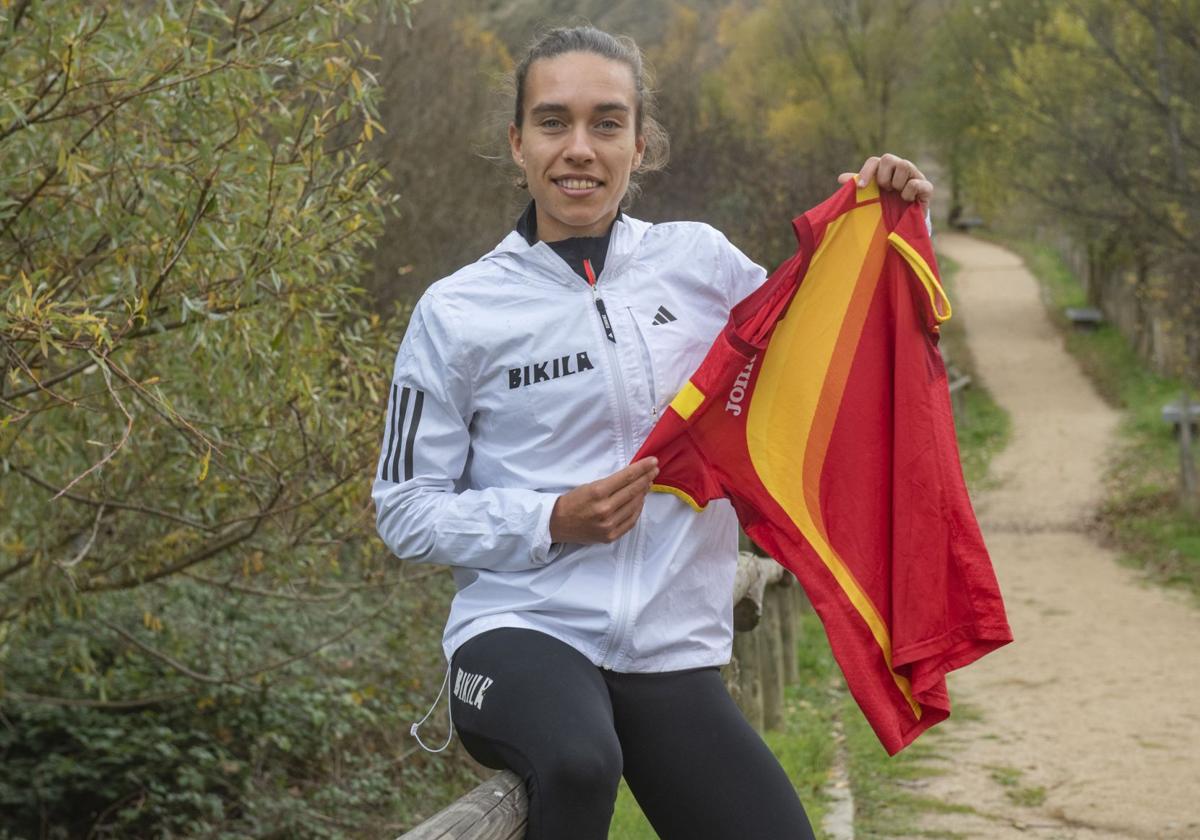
200, 633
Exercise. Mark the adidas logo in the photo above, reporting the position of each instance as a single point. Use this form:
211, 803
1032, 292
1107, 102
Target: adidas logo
664, 316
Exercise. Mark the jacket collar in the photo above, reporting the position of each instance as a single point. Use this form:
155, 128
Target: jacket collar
540, 263
527, 223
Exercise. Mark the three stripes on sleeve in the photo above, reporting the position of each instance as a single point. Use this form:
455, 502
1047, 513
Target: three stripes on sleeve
402, 433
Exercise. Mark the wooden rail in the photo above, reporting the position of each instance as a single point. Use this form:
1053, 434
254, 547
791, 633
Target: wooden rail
766, 599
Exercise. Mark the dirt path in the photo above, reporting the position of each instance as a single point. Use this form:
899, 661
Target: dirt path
1095, 708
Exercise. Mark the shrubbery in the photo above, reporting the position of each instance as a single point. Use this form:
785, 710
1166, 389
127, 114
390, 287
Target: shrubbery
200, 633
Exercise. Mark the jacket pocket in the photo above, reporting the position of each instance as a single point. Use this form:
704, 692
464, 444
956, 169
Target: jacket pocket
647, 360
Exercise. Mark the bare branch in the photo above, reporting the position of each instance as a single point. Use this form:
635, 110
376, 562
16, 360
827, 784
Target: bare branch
83, 552
22, 6
40, 385
158, 655
110, 503
120, 444
198, 556
197, 214
23, 563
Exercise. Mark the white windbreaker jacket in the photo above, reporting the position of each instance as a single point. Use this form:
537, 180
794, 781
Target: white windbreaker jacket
509, 390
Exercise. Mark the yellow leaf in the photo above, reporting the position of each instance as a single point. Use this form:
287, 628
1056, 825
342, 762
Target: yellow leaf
204, 465
357, 81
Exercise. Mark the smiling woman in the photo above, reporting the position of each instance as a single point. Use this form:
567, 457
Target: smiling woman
580, 143
591, 616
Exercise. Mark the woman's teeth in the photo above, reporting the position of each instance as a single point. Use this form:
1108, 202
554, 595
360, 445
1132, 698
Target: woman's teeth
578, 183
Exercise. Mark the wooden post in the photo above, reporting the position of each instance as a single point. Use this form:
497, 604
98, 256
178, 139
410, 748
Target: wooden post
746, 651
731, 675
790, 627
1187, 466
771, 630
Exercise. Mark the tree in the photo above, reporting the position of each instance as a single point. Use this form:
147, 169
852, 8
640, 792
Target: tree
1081, 108
190, 409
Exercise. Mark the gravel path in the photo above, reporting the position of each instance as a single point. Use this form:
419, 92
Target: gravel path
1088, 725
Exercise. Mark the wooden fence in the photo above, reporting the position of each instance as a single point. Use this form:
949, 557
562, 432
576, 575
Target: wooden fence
767, 600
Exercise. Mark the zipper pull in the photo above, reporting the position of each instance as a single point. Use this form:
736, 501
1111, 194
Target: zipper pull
608, 330
591, 278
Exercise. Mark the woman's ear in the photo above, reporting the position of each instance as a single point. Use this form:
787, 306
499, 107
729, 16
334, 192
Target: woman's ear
514, 144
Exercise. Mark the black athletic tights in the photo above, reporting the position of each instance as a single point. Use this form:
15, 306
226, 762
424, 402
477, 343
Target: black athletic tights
525, 701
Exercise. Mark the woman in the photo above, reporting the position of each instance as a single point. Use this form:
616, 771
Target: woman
591, 617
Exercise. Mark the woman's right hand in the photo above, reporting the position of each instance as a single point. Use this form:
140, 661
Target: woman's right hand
602, 511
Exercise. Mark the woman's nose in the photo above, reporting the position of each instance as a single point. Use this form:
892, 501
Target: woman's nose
579, 146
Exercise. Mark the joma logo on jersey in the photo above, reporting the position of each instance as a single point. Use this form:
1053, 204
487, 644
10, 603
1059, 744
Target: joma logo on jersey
551, 369
738, 392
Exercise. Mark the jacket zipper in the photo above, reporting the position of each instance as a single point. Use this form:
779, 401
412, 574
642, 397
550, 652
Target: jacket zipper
649, 362
625, 574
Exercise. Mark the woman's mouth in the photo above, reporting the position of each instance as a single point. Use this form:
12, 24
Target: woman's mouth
577, 186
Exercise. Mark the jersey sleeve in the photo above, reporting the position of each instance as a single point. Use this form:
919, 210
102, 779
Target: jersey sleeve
910, 238
422, 511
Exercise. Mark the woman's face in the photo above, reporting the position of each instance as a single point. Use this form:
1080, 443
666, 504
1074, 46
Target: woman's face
578, 144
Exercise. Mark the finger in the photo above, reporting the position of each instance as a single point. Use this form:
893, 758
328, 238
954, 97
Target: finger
627, 518
610, 484
901, 174
885, 170
868, 171
845, 176
628, 509
925, 193
646, 476
918, 189
629, 492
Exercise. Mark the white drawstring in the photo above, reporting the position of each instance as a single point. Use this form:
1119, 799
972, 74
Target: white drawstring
449, 712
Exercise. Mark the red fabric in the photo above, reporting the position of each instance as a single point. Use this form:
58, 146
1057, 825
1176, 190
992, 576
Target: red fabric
879, 474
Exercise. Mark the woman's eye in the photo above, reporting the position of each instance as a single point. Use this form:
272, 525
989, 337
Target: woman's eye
609, 125
552, 122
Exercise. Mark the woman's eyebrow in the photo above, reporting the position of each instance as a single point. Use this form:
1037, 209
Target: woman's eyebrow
558, 108
548, 108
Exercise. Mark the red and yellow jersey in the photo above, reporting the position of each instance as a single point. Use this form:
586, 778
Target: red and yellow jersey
822, 412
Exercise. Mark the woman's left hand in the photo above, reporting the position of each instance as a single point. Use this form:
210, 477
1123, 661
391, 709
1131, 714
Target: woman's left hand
893, 173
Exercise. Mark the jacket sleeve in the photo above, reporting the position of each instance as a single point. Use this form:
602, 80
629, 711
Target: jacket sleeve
741, 273
422, 511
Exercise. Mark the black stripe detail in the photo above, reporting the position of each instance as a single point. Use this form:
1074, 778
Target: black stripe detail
391, 436
412, 435
664, 316
396, 457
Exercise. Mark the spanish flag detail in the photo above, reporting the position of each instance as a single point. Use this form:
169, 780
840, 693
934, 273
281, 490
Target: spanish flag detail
822, 412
